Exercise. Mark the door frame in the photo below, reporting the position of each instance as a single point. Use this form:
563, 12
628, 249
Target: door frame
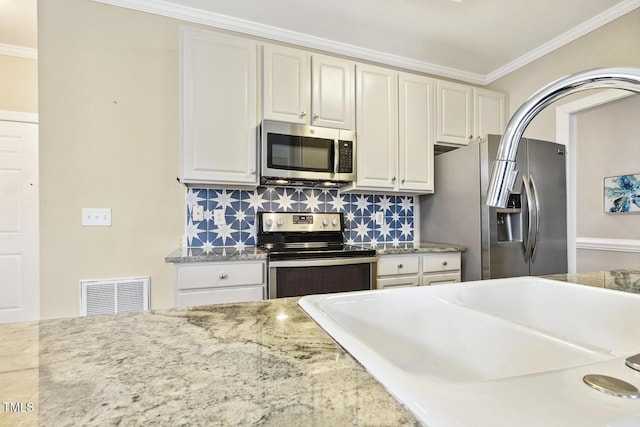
566, 130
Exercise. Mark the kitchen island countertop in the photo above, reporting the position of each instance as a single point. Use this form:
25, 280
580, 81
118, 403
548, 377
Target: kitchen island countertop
258, 363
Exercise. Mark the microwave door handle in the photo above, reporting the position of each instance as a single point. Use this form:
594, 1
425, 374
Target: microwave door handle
336, 155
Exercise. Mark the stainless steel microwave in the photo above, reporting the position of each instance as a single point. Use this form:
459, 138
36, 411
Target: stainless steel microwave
300, 154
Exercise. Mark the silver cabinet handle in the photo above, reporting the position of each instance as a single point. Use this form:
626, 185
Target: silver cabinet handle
403, 180
223, 276
444, 263
304, 113
393, 179
252, 171
400, 265
315, 116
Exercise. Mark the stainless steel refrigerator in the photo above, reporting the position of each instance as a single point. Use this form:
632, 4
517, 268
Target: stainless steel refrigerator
529, 237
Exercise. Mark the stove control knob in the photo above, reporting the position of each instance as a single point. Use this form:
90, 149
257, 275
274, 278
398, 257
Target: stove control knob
334, 222
280, 222
269, 222
325, 222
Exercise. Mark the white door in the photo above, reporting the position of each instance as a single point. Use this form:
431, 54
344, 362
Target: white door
454, 113
333, 92
19, 243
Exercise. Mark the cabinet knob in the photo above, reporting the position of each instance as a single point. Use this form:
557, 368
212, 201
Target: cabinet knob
315, 116
444, 263
400, 265
223, 276
403, 180
252, 171
393, 179
304, 113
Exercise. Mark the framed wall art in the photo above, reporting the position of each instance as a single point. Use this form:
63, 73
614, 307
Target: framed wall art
622, 194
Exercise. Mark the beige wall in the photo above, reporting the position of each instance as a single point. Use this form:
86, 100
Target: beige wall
606, 135
18, 84
615, 44
109, 112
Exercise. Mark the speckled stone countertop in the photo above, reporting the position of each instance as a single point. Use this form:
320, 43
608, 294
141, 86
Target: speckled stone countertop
258, 363
230, 253
417, 248
224, 253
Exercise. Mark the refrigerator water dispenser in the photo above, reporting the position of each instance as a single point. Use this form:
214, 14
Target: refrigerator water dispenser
509, 220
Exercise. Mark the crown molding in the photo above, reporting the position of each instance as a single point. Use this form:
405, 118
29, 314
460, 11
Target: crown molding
199, 16
20, 51
256, 29
586, 27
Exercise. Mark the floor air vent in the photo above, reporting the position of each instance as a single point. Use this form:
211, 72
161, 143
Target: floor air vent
114, 296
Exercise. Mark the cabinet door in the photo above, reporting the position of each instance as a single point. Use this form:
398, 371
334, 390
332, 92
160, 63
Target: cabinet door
397, 282
490, 113
454, 113
417, 133
287, 84
219, 112
333, 92
376, 126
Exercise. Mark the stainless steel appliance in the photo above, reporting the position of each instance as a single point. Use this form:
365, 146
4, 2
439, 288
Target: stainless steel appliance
528, 237
294, 154
306, 255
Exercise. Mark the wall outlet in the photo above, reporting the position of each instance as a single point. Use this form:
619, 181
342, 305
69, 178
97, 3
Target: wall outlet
197, 213
96, 217
379, 217
218, 217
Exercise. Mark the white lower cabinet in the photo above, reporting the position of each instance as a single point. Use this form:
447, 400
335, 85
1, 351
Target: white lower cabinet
394, 271
219, 282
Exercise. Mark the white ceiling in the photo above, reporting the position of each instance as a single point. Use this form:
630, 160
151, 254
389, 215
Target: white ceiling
472, 40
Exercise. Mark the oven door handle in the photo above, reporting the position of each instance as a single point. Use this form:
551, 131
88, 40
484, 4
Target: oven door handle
322, 262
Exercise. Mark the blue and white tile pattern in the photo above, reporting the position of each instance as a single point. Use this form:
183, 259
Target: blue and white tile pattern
241, 206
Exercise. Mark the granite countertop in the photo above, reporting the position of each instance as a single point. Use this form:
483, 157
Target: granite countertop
258, 363
223, 253
230, 253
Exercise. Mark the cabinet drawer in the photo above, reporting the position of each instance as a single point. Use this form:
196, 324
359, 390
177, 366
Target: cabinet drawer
393, 265
397, 282
220, 296
219, 274
441, 262
440, 279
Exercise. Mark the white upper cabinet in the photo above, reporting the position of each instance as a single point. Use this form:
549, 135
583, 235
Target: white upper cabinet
416, 133
465, 113
376, 126
395, 128
490, 112
311, 89
287, 84
455, 113
219, 108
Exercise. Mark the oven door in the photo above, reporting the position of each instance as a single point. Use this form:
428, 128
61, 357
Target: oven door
319, 276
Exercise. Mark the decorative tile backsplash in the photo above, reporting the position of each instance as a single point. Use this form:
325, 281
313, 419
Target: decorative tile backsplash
241, 206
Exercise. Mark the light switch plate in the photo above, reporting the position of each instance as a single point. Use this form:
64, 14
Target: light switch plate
379, 217
218, 217
96, 217
197, 213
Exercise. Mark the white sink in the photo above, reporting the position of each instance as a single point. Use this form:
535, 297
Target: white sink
511, 351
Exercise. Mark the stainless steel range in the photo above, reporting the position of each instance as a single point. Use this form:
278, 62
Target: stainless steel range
307, 255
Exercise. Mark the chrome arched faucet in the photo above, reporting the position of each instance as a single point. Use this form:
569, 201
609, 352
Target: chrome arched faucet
504, 171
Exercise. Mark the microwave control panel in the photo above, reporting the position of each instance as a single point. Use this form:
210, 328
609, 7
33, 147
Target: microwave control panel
345, 157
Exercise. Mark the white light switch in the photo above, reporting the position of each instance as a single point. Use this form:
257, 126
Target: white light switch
198, 213
379, 217
100, 217
218, 217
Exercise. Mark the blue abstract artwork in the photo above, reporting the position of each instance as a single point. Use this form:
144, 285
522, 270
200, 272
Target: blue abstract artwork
240, 207
622, 194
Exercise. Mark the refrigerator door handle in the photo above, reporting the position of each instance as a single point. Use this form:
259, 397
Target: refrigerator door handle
530, 216
534, 191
